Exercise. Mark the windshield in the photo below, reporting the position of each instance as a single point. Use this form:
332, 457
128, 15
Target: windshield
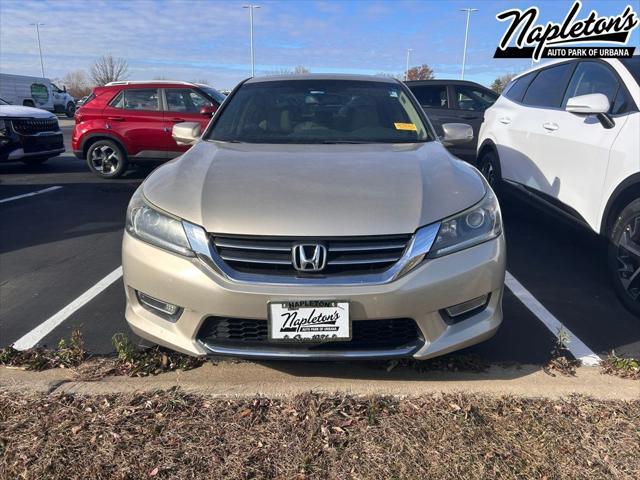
213, 93
320, 111
633, 65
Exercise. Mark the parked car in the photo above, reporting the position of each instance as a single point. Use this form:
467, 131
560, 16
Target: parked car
317, 217
130, 122
81, 101
30, 135
446, 101
36, 92
567, 134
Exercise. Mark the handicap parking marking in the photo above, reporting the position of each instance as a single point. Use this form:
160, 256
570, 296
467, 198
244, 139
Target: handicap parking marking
30, 194
576, 346
31, 339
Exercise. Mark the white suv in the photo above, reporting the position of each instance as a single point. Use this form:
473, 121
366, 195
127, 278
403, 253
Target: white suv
568, 134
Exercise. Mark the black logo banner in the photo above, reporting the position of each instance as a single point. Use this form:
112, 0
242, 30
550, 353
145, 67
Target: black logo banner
566, 39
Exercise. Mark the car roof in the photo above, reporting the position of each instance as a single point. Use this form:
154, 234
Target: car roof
321, 76
440, 81
148, 82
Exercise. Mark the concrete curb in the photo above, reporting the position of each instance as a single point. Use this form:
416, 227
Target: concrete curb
229, 379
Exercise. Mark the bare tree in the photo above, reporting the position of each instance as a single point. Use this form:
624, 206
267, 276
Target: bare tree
109, 69
298, 70
421, 72
501, 82
201, 81
399, 76
77, 83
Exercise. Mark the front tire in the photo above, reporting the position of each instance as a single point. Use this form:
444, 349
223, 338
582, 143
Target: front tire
70, 110
489, 166
623, 256
106, 159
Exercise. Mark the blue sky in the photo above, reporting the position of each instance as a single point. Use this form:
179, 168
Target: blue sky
209, 39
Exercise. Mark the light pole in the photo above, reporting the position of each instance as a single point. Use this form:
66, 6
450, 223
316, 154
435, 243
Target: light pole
406, 72
466, 35
251, 7
38, 25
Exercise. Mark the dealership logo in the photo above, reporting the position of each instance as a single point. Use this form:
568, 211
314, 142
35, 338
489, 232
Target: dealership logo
566, 39
309, 257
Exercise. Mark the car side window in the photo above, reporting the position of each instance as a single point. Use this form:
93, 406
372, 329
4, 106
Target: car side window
592, 77
137, 99
185, 100
547, 89
470, 98
431, 96
515, 90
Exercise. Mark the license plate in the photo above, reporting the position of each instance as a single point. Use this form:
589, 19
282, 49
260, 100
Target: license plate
309, 321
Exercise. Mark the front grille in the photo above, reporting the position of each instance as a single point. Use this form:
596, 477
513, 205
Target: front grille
345, 255
366, 334
32, 126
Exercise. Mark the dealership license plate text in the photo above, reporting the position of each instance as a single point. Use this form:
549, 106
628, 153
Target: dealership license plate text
309, 321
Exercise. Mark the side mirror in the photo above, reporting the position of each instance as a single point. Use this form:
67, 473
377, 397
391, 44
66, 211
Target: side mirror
208, 110
186, 133
64, 88
456, 133
592, 103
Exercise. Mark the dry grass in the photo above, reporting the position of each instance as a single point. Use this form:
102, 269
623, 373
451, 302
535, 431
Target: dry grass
625, 367
172, 435
129, 360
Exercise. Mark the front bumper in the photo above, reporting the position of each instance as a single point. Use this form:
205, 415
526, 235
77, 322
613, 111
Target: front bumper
14, 146
420, 295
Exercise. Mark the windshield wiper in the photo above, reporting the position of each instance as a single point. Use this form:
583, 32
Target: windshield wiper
343, 142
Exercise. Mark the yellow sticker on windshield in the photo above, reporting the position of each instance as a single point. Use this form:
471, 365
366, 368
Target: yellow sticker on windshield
406, 126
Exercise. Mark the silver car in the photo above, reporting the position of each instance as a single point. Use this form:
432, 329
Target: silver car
317, 217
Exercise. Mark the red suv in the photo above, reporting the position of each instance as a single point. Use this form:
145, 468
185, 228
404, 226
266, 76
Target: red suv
131, 122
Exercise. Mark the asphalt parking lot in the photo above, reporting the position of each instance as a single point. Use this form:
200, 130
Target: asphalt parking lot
58, 244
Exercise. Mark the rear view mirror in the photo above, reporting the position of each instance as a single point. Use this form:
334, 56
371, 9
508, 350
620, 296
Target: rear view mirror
592, 103
456, 133
186, 133
208, 110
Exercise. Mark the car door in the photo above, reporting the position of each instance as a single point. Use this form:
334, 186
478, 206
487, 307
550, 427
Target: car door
520, 145
184, 105
468, 106
135, 115
434, 100
573, 151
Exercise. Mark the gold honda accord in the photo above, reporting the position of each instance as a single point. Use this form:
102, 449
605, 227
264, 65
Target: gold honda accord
316, 217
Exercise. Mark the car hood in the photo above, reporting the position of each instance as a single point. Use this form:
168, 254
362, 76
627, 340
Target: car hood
9, 111
314, 190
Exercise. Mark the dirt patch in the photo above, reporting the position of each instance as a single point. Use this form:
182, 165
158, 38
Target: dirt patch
129, 360
173, 435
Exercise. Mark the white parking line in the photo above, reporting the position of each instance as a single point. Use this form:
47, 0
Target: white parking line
32, 338
31, 194
576, 346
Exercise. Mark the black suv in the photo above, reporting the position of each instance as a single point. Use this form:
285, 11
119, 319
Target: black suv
28, 134
454, 101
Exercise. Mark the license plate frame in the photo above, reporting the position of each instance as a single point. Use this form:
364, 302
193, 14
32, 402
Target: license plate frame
341, 306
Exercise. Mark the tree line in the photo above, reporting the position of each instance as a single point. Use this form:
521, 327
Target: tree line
108, 68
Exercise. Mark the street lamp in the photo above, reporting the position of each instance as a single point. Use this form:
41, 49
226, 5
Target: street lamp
466, 34
251, 7
38, 25
406, 72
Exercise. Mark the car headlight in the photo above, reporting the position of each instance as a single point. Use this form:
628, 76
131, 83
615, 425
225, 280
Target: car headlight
155, 227
475, 225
